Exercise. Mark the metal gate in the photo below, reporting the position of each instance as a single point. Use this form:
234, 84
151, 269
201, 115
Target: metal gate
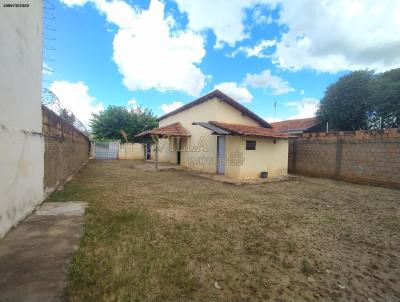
106, 150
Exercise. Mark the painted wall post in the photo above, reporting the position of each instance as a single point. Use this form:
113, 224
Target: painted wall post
156, 140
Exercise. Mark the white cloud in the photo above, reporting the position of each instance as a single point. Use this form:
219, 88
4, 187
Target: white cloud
302, 92
260, 18
225, 18
117, 12
171, 107
150, 52
76, 98
132, 103
255, 51
327, 36
306, 107
241, 94
266, 80
74, 2
339, 35
271, 119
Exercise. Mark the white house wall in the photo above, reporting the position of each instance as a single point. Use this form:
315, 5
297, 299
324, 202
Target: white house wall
270, 156
21, 140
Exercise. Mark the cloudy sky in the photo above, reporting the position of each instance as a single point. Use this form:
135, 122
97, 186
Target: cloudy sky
163, 54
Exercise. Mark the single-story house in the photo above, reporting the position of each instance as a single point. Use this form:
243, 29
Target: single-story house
216, 134
296, 127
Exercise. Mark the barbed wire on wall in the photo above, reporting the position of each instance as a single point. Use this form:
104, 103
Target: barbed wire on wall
51, 101
49, 38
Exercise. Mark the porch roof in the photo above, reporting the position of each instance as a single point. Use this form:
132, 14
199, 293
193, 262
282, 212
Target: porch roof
220, 128
175, 129
214, 129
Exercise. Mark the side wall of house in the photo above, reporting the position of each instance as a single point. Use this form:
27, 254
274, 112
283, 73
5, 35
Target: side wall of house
268, 156
197, 156
165, 153
371, 157
21, 140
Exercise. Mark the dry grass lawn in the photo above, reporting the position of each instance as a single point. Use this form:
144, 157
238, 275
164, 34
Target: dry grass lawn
170, 236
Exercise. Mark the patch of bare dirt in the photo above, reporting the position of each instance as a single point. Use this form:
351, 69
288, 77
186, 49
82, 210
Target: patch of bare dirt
174, 213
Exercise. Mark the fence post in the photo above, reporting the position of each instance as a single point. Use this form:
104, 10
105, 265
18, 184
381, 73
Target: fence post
338, 159
294, 154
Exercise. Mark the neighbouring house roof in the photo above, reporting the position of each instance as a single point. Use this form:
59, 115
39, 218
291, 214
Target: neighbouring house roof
296, 125
175, 129
244, 130
223, 97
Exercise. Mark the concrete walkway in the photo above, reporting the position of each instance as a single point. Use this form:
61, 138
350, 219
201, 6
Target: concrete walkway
34, 256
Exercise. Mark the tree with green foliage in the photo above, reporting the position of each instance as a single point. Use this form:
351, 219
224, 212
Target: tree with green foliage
66, 116
384, 98
362, 100
346, 102
115, 121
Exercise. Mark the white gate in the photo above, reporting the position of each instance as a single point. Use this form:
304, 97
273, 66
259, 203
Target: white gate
106, 150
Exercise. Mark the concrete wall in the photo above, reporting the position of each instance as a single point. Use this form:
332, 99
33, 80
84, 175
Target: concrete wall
22, 144
371, 157
211, 110
66, 150
131, 151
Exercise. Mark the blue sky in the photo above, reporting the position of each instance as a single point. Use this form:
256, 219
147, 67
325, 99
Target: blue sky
163, 54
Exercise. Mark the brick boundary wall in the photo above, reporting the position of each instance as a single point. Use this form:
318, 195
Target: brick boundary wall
66, 150
370, 157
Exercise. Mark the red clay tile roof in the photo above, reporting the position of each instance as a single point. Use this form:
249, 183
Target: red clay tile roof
223, 97
249, 130
298, 124
175, 129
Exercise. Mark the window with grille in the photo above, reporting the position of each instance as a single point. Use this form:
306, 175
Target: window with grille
250, 145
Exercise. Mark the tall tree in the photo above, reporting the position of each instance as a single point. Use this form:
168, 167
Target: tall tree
346, 103
67, 116
116, 121
385, 99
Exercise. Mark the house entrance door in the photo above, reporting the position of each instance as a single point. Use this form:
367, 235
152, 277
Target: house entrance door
148, 151
221, 154
178, 152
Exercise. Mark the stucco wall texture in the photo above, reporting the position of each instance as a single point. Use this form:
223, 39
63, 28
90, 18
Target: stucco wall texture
66, 150
270, 156
371, 157
131, 151
22, 144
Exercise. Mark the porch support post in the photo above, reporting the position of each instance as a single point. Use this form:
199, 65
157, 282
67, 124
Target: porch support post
156, 152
